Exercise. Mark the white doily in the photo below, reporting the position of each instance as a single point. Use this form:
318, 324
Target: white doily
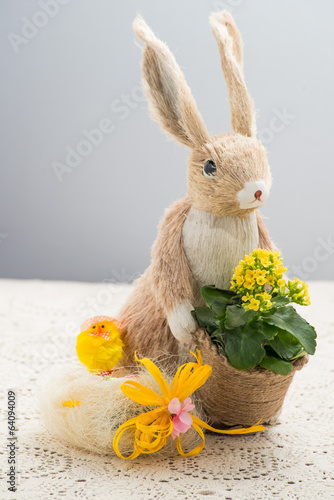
39, 322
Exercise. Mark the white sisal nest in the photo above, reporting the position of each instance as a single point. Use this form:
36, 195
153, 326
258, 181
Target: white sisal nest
92, 424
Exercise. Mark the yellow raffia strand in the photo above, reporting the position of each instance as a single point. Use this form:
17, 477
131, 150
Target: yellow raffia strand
152, 429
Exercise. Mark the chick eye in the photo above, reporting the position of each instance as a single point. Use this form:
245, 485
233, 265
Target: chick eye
209, 169
94, 327
102, 326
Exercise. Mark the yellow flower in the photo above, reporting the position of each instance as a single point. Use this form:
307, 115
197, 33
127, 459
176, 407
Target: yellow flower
261, 252
281, 282
246, 297
152, 429
280, 269
254, 304
265, 261
265, 301
307, 300
249, 274
249, 260
238, 271
266, 296
249, 284
264, 268
270, 280
239, 280
298, 292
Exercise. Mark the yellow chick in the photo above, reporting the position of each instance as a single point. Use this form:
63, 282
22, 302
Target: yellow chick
99, 345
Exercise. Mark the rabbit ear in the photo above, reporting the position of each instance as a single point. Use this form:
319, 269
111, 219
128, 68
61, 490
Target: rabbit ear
230, 47
170, 100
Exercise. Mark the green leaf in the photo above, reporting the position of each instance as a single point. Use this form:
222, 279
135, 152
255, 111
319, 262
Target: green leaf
218, 334
286, 345
216, 299
237, 316
206, 318
237, 299
277, 365
268, 331
243, 347
300, 354
271, 311
280, 300
218, 338
288, 319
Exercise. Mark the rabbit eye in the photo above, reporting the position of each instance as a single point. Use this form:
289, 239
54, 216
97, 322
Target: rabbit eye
209, 169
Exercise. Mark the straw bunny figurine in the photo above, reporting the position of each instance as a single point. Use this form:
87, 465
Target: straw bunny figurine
203, 236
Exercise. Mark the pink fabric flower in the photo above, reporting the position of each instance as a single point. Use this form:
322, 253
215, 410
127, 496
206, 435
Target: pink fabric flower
182, 420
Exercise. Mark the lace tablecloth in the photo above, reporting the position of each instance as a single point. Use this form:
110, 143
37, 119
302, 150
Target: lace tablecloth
294, 459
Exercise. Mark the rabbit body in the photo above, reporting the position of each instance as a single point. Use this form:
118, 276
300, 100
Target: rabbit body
203, 236
214, 245
199, 249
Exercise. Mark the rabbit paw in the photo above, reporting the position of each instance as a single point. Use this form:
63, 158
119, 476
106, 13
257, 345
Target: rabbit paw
181, 322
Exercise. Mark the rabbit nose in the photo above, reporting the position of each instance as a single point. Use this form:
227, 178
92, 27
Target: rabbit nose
258, 195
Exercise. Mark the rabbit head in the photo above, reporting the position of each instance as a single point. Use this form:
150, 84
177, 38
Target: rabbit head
228, 174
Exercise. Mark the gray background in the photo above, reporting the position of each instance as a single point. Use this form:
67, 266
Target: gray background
100, 221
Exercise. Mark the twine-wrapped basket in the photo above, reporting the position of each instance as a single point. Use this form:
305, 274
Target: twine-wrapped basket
233, 397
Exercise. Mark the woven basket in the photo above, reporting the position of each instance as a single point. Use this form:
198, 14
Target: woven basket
233, 397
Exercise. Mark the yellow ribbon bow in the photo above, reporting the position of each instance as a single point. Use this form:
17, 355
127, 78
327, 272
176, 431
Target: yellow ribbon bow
153, 428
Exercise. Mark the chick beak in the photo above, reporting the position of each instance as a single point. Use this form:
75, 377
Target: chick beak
99, 330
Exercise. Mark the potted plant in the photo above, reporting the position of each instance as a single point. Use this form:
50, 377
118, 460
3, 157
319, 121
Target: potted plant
254, 339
